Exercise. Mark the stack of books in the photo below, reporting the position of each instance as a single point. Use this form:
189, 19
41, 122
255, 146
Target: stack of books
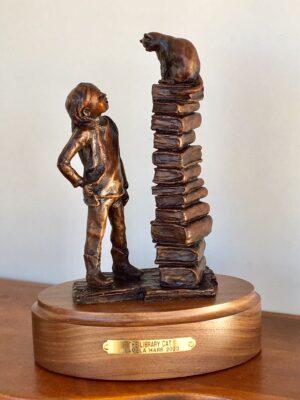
182, 221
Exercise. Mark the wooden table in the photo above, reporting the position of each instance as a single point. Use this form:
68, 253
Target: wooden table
274, 374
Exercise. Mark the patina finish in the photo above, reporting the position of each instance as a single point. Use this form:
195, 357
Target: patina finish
179, 61
181, 217
95, 139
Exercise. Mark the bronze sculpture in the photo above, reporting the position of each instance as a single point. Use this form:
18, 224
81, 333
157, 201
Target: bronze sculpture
179, 61
104, 183
181, 219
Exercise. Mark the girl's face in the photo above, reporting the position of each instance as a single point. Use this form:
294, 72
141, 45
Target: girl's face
98, 103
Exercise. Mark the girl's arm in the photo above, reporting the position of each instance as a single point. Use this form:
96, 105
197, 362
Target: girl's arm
76, 143
124, 175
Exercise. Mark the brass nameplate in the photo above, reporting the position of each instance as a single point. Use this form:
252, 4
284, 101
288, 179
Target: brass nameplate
149, 346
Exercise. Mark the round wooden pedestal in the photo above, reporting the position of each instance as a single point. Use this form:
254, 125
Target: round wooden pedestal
222, 332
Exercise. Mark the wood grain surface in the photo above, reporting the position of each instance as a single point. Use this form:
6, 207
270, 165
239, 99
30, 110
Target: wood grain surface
273, 374
69, 339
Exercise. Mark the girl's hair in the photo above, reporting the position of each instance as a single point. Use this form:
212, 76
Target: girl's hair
76, 101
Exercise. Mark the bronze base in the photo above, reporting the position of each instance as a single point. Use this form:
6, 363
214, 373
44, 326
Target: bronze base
148, 288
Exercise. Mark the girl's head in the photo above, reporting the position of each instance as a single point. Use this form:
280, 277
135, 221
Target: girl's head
85, 103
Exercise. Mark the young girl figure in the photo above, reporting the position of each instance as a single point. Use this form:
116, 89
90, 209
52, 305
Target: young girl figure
95, 139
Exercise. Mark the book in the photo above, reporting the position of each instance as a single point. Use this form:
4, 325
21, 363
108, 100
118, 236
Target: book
170, 233
184, 277
175, 124
178, 93
166, 141
181, 200
182, 215
182, 255
175, 108
174, 159
185, 188
169, 176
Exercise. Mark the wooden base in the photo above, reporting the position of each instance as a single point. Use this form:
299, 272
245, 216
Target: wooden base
72, 339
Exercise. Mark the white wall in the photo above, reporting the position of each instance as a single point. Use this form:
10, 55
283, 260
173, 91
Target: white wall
250, 132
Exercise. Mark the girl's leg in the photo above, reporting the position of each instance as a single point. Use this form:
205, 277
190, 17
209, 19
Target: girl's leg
121, 266
96, 223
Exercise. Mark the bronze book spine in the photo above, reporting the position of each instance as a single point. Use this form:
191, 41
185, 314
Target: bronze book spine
175, 124
177, 93
172, 176
175, 108
184, 277
182, 215
165, 141
171, 255
180, 159
181, 200
161, 190
189, 234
